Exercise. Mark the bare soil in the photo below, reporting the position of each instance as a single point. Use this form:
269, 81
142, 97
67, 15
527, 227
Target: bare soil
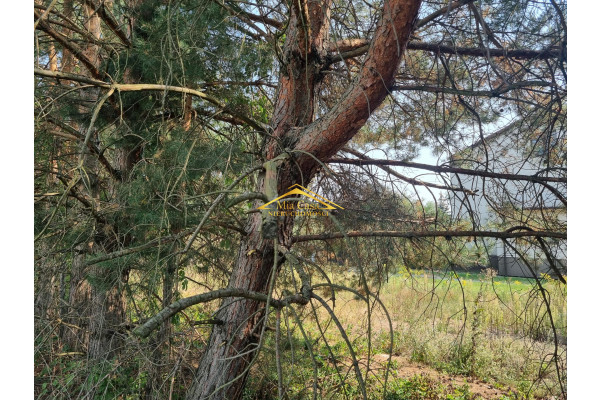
408, 369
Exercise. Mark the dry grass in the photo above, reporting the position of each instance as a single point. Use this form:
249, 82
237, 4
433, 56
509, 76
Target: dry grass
497, 331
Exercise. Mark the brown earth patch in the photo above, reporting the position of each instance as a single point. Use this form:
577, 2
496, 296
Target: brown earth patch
407, 369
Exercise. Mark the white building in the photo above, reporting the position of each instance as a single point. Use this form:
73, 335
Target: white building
500, 204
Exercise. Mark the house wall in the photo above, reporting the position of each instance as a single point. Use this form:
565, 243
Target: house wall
506, 154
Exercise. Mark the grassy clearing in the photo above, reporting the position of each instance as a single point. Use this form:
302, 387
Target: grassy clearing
455, 337
495, 330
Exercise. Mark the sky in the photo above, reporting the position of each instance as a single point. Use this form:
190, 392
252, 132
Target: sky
426, 156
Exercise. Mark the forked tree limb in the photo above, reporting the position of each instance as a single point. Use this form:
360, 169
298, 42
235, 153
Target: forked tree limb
324, 137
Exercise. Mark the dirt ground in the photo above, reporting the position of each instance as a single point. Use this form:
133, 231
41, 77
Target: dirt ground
408, 369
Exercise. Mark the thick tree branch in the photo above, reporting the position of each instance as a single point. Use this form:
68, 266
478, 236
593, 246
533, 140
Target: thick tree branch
428, 234
326, 136
109, 20
172, 309
68, 44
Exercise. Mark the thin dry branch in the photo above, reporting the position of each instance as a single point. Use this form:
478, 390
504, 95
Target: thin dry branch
495, 92
360, 47
428, 234
407, 179
442, 11
455, 170
131, 87
74, 135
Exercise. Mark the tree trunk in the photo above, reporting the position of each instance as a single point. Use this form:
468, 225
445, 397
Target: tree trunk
107, 316
98, 307
222, 370
159, 358
75, 335
45, 285
238, 334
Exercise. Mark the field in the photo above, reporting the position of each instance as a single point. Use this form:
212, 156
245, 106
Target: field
455, 336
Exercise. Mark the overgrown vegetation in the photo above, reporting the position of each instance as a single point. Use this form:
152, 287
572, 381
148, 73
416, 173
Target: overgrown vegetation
445, 324
162, 128
466, 324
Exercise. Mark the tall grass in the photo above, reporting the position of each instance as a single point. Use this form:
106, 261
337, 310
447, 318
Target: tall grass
496, 329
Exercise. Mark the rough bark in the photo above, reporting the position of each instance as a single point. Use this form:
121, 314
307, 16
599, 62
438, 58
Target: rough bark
75, 333
96, 300
45, 285
223, 368
106, 319
160, 342
237, 334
